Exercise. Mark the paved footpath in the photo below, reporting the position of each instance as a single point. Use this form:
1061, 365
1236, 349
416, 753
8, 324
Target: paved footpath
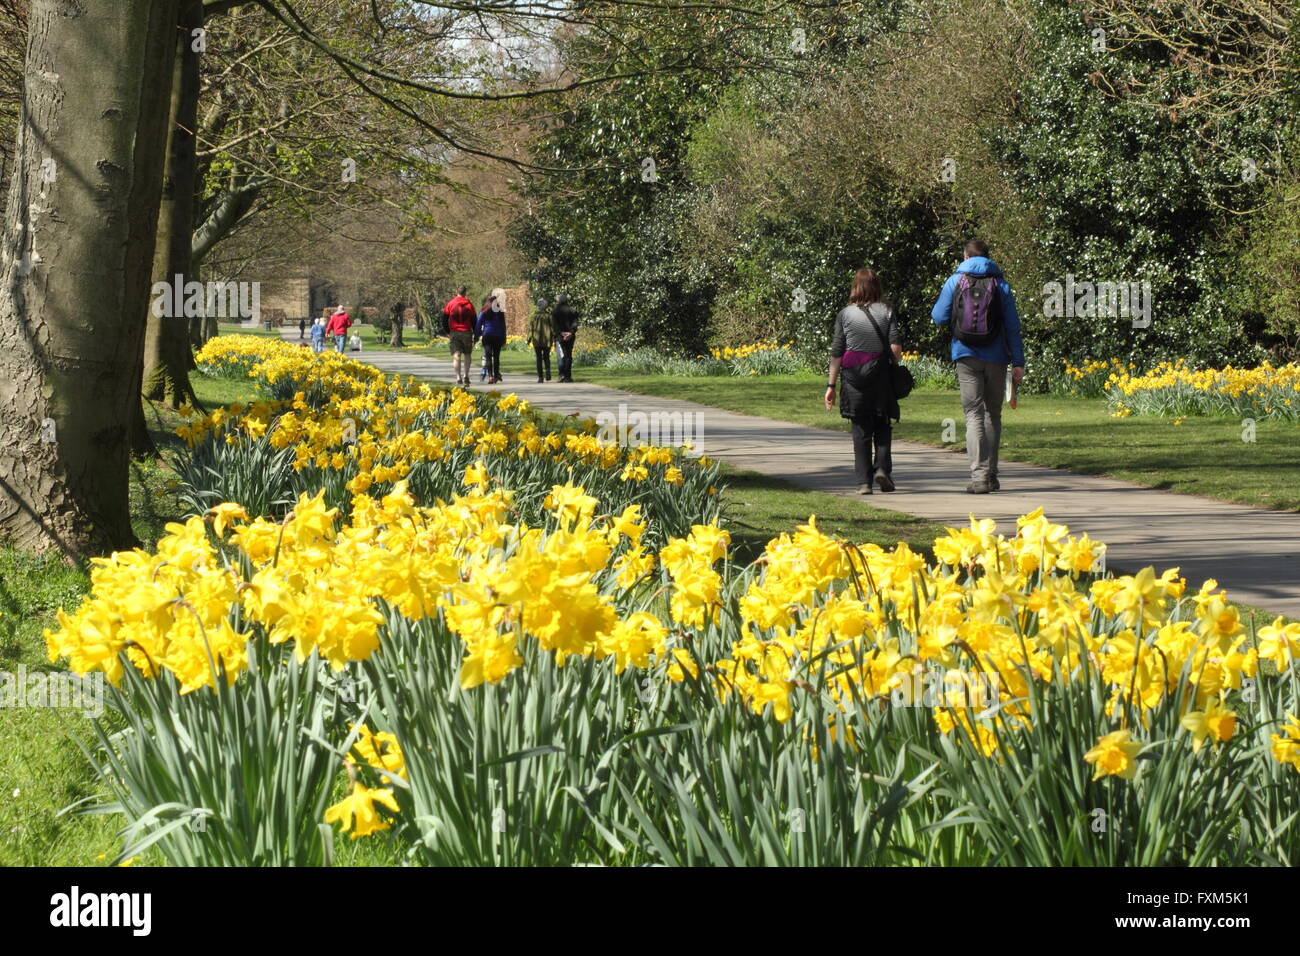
1252, 552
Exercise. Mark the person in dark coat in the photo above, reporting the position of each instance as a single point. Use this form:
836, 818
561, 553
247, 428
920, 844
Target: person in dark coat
866, 340
564, 321
491, 328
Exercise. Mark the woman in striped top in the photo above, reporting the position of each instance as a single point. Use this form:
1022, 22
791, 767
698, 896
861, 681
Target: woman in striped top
866, 332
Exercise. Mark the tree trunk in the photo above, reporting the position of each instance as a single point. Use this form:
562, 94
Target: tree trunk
77, 252
395, 339
167, 337
235, 203
419, 312
141, 442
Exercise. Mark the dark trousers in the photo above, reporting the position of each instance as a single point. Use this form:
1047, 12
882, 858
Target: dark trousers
543, 361
565, 347
492, 353
872, 429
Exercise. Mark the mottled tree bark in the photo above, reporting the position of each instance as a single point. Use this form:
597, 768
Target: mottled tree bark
167, 340
395, 331
419, 313
75, 265
141, 441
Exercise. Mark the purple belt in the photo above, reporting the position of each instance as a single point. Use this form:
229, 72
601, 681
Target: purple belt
852, 359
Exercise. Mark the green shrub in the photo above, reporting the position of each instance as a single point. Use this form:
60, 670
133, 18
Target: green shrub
930, 373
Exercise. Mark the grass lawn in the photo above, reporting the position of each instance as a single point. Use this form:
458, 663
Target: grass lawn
372, 338
1204, 456
235, 328
757, 508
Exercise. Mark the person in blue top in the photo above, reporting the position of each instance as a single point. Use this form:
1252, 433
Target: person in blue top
318, 335
491, 328
977, 302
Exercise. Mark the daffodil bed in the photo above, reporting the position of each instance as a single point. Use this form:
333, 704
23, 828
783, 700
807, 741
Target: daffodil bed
334, 424
1174, 388
548, 688
1171, 389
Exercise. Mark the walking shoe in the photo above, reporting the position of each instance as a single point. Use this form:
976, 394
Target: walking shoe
993, 485
884, 481
540, 380
978, 488
864, 489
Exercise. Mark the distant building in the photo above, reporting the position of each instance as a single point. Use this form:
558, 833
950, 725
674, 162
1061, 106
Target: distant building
297, 297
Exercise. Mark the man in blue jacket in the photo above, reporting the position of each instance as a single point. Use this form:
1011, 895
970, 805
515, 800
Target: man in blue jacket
982, 369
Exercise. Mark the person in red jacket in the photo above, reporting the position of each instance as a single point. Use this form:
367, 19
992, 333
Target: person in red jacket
338, 326
460, 329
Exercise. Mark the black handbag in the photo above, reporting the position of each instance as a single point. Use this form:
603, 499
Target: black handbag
901, 381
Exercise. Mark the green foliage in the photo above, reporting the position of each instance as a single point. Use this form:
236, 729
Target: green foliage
932, 374
783, 246
1128, 193
231, 776
766, 361
605, 229
776, 185
1181, 810
1270, 243
615, 233
254, 473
